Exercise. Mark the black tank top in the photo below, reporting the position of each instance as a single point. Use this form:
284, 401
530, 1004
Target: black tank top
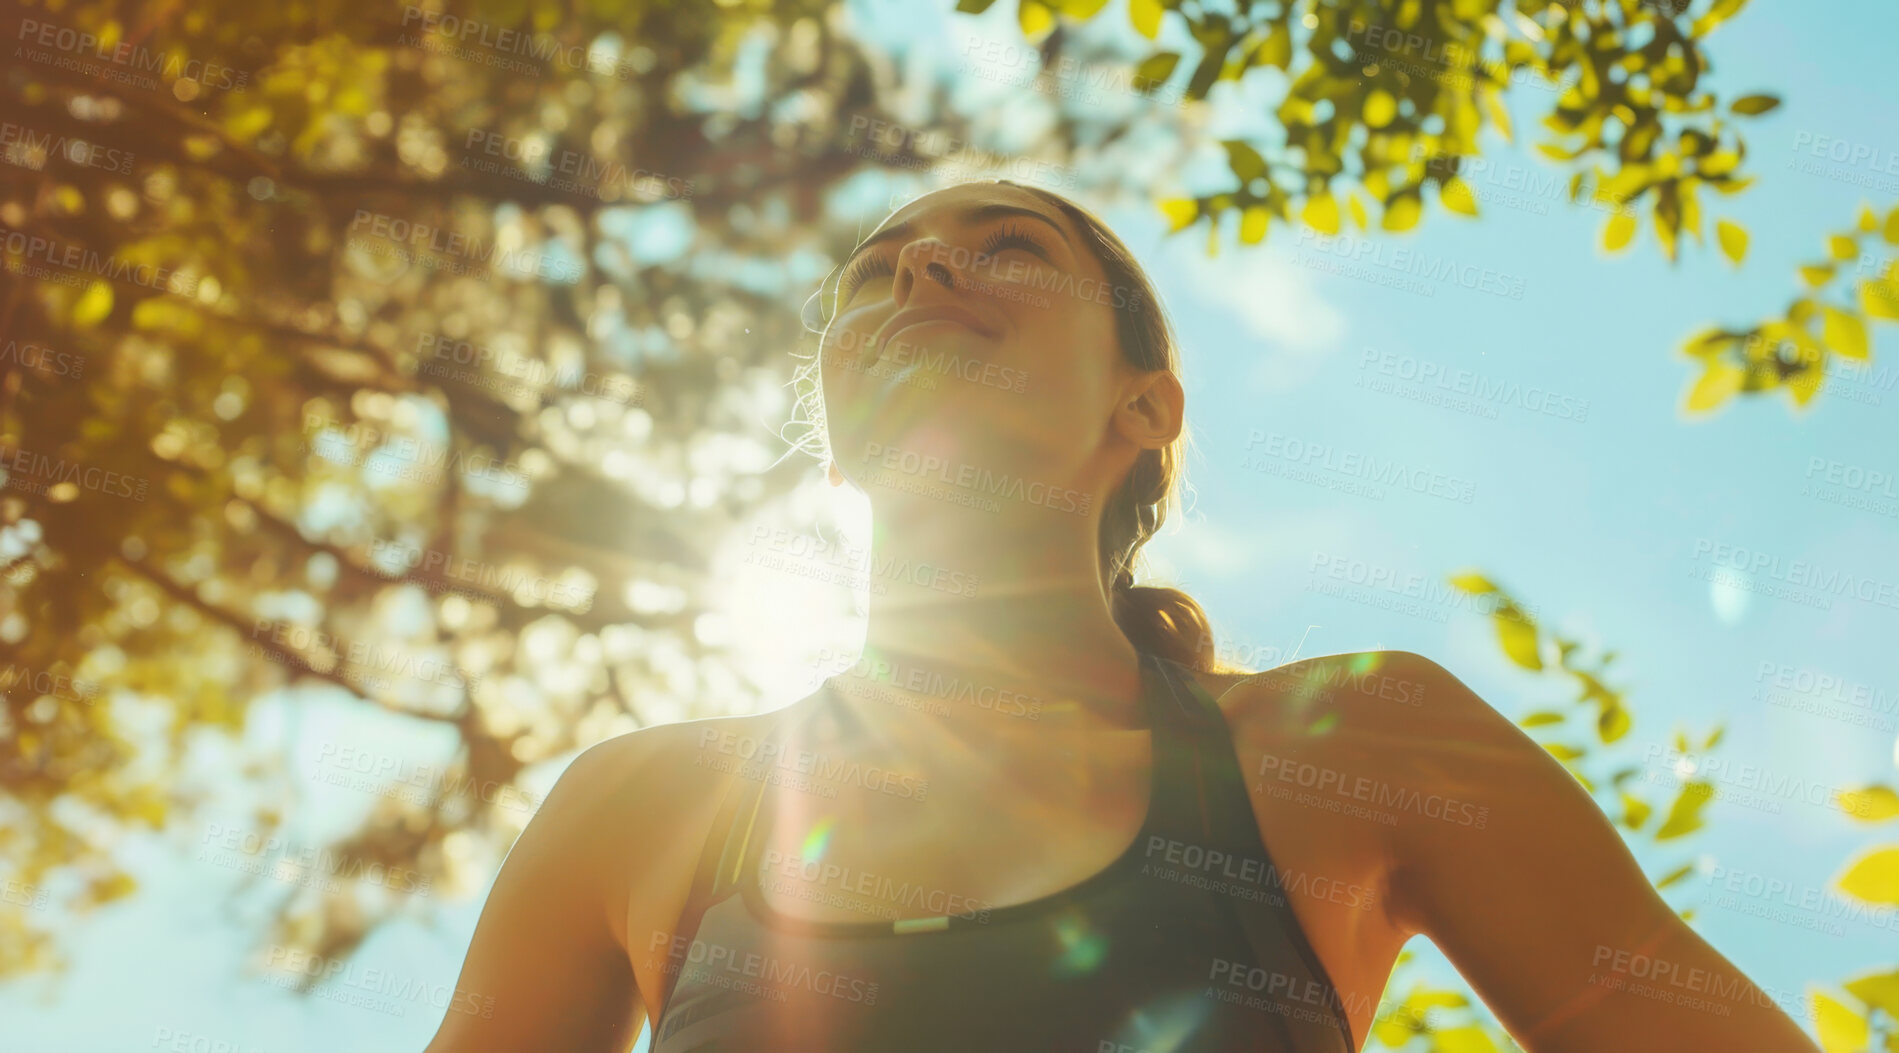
1184, 944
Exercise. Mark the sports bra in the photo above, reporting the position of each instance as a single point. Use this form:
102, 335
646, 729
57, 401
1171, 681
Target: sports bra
1186, 943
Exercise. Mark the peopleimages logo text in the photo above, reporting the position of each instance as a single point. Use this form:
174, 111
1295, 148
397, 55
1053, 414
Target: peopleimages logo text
1797, 572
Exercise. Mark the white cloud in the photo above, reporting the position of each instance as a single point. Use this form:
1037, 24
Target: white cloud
1274, 301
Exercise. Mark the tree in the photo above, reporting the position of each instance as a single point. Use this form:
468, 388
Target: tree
308, 303
1384, 104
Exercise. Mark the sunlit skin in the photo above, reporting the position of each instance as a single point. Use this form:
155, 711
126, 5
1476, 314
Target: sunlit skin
1540, 909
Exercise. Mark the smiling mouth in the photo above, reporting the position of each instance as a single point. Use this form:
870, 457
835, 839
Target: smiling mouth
877, 349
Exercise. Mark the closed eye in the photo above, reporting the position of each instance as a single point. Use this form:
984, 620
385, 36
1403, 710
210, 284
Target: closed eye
1012, 236
863, 270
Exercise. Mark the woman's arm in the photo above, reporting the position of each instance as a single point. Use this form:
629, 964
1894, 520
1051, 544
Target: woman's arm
1542, 907
546, 970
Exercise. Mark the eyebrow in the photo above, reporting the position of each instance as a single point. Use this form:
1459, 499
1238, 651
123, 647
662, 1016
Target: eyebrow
975, 214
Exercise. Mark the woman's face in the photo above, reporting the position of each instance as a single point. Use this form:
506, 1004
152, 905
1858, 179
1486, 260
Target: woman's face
977, 328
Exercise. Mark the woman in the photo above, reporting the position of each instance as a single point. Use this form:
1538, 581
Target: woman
1037, 815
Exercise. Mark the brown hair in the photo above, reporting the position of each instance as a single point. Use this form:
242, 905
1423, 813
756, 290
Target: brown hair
1156, 619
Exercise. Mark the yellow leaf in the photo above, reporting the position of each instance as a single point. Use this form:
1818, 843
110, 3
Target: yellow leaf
1380, 108
1617, 232
1472, 582
1253, 224
1180, 212
1843, 333
1401, 214
1842, 247
1879, 990
1804, 385
1146, 16
1891, 233
1635, 812
1321, 214
1463, 1040
1035, 18
1841, 1028
1879, 298
1868, 219
1873, 804
1817, 274
1357, 209
1676, 876
1499, 114
93, 305
1457, 196
1612, 723
1733, 240
1517, 637
1708, 342
1684, 815
1718, 383
1874, 877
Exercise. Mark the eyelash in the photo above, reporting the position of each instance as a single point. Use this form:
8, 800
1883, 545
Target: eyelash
872, 266
1009, 235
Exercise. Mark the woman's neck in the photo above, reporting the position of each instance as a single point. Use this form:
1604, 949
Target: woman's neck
975, 604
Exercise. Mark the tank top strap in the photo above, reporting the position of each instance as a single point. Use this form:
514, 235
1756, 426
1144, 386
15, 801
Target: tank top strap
1221, 817
717, 874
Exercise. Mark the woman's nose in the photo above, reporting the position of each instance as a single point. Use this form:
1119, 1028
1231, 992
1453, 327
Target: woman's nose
926, 259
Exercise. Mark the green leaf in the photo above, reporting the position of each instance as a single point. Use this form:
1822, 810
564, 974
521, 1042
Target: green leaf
1891, 230
1754, 105
1155, 69
1684, 815
1276, 49
1871, 804
1874, 877
1733, 239
1635, 811
973, 7
1245, 161
1541, 718
1082, 10
1146, 16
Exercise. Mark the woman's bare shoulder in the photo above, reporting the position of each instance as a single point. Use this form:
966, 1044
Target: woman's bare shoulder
656, 775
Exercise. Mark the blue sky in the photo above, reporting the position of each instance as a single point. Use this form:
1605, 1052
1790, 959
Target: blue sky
1602, 523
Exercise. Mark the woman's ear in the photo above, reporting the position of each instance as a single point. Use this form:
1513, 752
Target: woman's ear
1153, 408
